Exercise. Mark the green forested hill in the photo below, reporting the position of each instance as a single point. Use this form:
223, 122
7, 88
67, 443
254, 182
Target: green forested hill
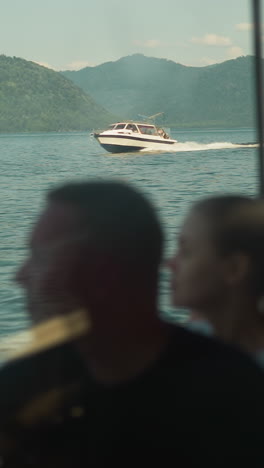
216, 95
34, 98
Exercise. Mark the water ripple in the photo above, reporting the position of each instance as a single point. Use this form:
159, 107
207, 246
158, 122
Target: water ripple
31, 164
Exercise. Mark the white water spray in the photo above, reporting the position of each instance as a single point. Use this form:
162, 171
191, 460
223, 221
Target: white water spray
194, 146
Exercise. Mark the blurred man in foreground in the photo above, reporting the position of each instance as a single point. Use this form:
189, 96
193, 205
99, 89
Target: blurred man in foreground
128, 386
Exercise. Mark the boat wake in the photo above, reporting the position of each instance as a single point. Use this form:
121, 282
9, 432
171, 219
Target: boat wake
195, 146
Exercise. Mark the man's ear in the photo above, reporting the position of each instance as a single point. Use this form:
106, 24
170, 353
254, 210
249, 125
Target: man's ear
97, 277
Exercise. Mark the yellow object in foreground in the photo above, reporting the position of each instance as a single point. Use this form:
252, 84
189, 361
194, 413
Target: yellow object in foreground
53, 332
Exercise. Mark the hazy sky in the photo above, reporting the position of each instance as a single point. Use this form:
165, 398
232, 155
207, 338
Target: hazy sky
71, 34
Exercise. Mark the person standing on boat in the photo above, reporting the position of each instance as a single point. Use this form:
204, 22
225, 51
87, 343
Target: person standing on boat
148, 390
218, 270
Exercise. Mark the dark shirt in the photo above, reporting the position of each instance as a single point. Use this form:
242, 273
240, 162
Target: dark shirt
200, 404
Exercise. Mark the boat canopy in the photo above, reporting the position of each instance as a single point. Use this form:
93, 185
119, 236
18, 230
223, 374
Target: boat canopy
146, 129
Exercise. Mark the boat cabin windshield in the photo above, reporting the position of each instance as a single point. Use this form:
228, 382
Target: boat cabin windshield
147, 129
142, 128
132, 127
120, 126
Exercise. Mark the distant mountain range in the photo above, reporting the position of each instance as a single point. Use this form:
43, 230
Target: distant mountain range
34, 98
216, 95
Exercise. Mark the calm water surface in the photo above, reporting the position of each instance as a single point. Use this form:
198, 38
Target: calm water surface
208, 162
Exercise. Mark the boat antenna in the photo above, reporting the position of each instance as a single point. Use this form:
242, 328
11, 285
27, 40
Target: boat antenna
259, 87
150, 117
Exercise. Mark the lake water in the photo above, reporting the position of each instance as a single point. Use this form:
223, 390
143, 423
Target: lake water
207, 162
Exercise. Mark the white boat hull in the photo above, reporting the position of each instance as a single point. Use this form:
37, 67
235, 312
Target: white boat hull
127, 143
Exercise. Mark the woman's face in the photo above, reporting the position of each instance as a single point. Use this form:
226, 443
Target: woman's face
197, 269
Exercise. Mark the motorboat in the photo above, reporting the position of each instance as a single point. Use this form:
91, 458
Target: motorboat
124, 137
